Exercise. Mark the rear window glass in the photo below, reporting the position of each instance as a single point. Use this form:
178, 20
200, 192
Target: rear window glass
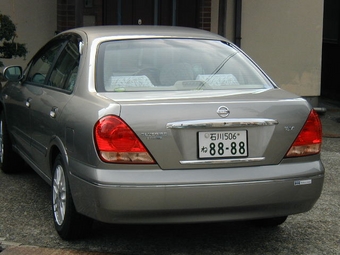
175, 64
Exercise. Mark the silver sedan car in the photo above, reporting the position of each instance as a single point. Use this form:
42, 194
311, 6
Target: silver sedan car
138, 124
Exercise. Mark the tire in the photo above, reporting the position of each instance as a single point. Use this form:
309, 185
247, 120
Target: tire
270, 222
67, 221
10, 161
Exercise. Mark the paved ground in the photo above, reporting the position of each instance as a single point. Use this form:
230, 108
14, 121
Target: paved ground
330, 119
26, 226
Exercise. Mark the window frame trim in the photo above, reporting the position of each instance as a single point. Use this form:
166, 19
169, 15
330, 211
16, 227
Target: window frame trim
64, 39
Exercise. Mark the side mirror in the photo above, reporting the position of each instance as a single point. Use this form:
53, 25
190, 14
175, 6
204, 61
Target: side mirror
13, 73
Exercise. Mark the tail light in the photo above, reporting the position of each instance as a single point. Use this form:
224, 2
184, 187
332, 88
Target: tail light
117, 143
308, 142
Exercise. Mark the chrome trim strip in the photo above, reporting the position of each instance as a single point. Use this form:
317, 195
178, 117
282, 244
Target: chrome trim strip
188, 185
221, 161
221, 123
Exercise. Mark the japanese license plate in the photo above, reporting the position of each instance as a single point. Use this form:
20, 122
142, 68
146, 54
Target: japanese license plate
222, 144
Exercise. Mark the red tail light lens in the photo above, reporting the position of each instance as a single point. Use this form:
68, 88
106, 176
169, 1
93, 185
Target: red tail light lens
117, 143
308, 142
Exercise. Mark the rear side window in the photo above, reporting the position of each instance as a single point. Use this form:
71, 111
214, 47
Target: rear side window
64, 72
42, 63
56, 64
175, 64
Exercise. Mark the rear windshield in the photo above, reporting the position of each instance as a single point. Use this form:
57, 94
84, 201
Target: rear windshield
174, 64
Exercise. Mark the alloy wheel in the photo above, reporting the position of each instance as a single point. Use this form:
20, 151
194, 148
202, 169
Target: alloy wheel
59, 195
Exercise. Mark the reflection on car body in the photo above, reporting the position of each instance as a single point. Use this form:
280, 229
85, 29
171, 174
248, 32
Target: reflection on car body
158, 125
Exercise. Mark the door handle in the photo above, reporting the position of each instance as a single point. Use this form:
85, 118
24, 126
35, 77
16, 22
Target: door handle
28, 102
53, 112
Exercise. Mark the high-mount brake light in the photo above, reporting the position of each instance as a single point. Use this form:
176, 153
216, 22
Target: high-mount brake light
117, 143
309, 140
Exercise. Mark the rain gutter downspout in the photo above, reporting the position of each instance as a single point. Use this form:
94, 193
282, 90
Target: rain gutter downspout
119, 12
78, 13
238, 18
174, 11
222, 10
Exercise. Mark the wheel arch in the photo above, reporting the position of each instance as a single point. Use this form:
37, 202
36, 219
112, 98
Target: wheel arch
57, 147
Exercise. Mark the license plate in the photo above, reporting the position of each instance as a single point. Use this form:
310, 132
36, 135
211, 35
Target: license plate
222, 144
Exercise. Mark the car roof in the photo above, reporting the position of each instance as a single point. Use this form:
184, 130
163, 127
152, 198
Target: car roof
142, 31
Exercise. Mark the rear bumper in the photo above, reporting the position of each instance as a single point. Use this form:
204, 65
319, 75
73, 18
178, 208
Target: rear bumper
184, 201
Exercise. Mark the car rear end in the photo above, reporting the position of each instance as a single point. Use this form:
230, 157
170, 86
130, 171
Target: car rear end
202, 134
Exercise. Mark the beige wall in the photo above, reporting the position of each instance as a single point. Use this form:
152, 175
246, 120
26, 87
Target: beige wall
284, 38
36, 23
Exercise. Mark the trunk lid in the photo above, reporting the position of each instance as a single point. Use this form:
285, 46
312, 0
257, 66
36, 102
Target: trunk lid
183, 130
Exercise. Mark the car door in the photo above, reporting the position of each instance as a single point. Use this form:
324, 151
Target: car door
17, 114
47, 107
19, 96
